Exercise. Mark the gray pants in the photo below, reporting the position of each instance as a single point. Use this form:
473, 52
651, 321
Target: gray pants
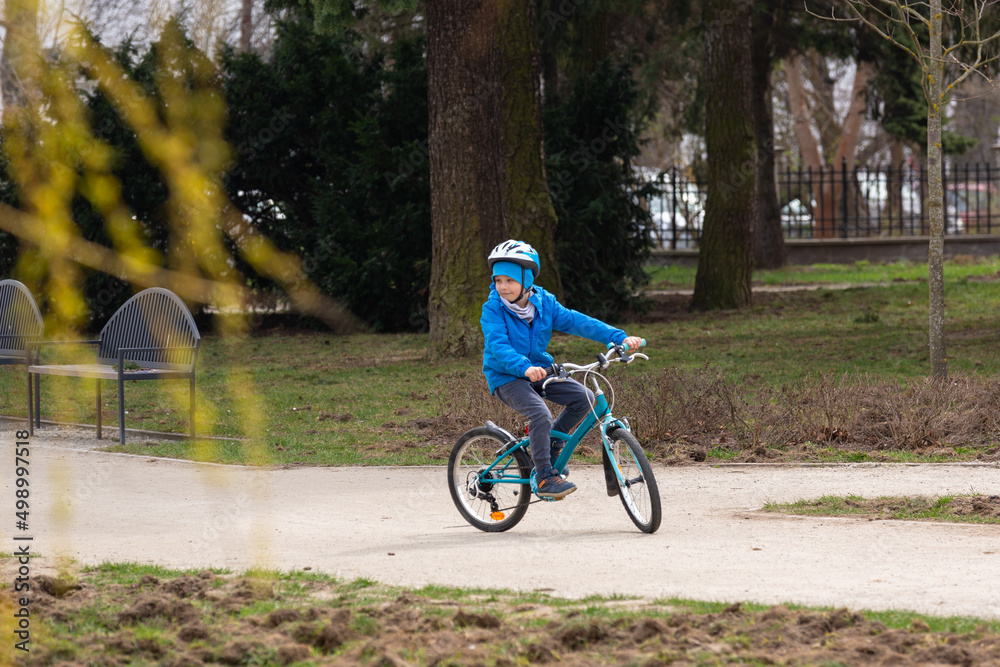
524, 398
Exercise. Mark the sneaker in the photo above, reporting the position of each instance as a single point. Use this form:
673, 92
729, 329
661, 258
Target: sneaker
554, 454
548, 484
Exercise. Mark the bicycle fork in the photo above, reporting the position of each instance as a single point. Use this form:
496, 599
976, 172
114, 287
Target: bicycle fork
614, 477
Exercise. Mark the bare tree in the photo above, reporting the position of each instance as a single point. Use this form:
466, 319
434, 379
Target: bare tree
839, 139
919, 29
20, 46
246, 25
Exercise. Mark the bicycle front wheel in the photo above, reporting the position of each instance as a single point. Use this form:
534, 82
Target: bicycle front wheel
638, 491
485, 503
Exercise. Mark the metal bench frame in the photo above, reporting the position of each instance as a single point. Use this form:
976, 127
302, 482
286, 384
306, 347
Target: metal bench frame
153, 329
20, 327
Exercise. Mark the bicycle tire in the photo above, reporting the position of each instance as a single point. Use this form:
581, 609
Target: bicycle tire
475, 450
639, 494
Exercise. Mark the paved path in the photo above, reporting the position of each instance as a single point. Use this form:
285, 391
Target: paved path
398, 525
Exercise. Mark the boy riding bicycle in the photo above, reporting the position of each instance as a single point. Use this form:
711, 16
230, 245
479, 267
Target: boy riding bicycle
518, 320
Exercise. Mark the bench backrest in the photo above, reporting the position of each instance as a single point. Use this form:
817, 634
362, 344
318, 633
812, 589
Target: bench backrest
20, 320
153, 318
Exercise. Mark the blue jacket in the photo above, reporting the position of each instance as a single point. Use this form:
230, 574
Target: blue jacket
512, 346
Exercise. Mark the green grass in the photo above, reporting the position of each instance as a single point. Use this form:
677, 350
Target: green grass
130, 573
908, 508
860, 272
320, 399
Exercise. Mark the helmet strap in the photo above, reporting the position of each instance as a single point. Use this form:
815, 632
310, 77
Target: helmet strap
523, 289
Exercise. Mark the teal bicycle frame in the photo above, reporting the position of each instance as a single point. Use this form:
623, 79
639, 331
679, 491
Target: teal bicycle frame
599, 412
476, 472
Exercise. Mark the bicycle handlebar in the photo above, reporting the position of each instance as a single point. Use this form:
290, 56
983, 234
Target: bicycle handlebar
561, 372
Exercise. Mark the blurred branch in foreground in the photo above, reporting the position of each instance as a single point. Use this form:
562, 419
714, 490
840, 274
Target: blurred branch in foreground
56, 160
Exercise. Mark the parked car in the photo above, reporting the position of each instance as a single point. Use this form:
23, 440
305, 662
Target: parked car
797, 219
678, 214
675, 232
972, 207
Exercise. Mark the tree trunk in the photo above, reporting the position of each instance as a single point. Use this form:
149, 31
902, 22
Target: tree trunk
246, 26
486, 161
934, 73
847, 146
808, 147
823, 108
530, 214
894, 198
20, 45
769, 242
826, 179
725, 259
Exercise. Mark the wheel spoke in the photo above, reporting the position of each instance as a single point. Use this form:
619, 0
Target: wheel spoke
486, 502
637, 488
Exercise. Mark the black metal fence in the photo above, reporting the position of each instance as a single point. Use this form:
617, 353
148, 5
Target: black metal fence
844, 203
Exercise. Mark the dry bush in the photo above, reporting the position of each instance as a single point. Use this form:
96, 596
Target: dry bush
704, 407
759, 415
672, 403
926, 412
824, 409
677, 408
466, 398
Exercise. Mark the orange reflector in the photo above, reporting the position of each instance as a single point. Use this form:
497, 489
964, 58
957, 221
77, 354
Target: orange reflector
496, 516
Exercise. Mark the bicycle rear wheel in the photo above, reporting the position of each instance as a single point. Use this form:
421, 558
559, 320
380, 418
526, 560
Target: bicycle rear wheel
639, 493
487, 505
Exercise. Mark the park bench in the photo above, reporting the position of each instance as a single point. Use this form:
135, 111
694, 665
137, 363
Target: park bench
151, 337
20, 327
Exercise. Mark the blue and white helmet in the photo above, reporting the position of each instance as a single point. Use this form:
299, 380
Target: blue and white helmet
517, 260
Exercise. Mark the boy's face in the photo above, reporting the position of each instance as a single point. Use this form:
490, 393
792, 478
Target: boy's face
507, 287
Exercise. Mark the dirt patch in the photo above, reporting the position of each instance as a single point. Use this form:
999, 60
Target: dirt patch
158, 620
979, 506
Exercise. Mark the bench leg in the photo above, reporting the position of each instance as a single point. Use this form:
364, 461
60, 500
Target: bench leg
98, 409
38, 401
121, 411
192, 408
31, 412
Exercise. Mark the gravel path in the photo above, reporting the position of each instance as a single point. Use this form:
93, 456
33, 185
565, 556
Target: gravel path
398, 526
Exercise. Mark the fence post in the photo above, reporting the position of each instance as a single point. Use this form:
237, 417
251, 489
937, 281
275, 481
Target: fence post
978, 211
843, 196
673, 208
989, 200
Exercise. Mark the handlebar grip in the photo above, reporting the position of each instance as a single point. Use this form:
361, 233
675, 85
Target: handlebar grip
642, 344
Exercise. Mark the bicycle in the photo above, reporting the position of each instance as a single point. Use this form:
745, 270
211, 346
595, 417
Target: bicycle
489, 469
